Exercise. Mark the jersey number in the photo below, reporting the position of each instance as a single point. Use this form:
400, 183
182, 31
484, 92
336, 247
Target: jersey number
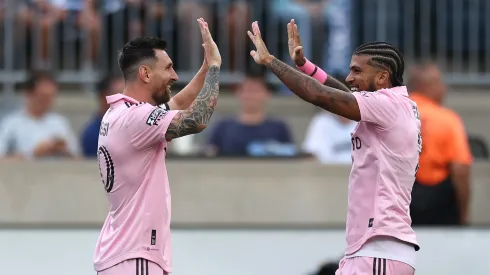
106, 168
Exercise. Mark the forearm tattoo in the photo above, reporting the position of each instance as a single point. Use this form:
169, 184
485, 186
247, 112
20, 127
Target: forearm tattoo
196, 117
335, 83
309, 89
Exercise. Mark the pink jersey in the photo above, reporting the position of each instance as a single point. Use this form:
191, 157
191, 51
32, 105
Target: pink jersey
385, 155
131, 154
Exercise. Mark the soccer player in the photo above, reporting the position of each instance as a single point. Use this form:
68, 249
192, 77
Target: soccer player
385, 149
135, 238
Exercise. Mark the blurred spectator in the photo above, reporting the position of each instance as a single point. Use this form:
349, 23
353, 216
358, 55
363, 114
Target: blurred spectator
441, 192
35, 131
252, 132
127, 19
328, 268
41, 19
233, 19
328, 138
107, 86
82, 27
310, 13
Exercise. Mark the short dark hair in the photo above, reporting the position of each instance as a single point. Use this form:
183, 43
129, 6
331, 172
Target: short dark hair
387, 56
137, 51
35, 77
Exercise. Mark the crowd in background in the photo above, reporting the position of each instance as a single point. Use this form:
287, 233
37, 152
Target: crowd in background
35, 131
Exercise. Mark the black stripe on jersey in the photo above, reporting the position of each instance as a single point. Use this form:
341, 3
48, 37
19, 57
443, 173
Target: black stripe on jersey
127, 104
137, 266
142, 268
384, 266
374, 266
167, 107
147, 269
379, 267
109, 167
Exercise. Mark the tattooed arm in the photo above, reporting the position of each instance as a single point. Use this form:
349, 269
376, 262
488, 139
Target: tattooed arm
336, 101
196, 117
336, 84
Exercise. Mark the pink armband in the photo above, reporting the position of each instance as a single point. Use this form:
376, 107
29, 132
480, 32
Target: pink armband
313, 71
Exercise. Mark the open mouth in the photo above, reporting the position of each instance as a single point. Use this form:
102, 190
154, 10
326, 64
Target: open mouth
354, 89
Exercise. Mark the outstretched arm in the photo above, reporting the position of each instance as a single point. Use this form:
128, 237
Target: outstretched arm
186, 96
303, 64
195, 118
317, 73
309, 89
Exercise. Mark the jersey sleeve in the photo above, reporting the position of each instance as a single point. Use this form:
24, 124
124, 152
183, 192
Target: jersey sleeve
148, 124
377, 108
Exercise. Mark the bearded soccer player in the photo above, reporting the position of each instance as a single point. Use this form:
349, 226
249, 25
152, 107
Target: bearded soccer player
135, 238
385, 148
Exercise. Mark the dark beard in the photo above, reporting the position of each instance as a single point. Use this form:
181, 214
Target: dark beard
161, 99
372, 87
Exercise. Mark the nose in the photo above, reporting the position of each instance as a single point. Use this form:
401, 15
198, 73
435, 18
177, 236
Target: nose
175, 77
349, 79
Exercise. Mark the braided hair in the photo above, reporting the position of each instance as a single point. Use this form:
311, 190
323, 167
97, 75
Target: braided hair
386, 56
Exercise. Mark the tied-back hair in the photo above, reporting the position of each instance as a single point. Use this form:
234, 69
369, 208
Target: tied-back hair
386, 56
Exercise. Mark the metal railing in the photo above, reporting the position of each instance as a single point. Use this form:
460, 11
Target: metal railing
80, 45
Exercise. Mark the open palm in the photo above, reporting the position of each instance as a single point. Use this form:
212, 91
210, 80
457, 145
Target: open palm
294, 44
261, 55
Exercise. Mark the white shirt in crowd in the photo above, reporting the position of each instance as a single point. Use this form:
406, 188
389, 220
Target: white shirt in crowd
328, 138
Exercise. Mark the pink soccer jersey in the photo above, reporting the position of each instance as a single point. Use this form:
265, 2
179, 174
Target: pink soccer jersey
385, 154
131, 155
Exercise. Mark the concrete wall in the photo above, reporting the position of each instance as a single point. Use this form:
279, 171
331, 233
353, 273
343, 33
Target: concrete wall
204, 192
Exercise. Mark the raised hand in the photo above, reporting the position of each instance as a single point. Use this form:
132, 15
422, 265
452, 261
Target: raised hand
294, 44
261, 55
212, 55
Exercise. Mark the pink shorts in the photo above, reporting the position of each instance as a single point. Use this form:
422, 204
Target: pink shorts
134, 267
373, 266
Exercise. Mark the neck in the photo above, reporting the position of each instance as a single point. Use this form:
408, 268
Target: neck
138, 92
251, 118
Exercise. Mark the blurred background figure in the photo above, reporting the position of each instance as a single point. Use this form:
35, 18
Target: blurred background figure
39, 26
252, 132
311, 16
230, 17
327, 268
35, 131
328, 138
441, 194
109, 85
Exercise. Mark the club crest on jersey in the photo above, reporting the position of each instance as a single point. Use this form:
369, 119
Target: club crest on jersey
155, 116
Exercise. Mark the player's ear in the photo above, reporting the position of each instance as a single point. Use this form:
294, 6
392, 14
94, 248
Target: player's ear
145, 73
382, 77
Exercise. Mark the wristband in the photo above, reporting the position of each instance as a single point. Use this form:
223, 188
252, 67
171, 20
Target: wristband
313, 71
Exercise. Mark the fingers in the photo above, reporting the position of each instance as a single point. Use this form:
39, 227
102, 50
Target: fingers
252, 37
297, 40
290, 29
256, 29
203, 26
298, 49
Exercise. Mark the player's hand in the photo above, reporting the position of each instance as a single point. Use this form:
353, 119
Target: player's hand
294, 44
261, 55
212, 55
